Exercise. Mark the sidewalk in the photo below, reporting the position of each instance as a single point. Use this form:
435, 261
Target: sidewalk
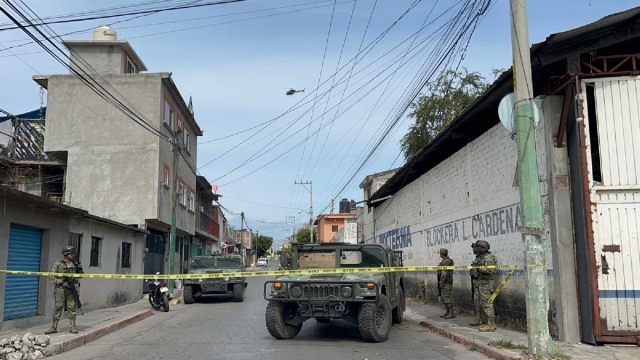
459, 330
93, 325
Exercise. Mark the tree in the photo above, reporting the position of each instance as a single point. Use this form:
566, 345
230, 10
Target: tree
264, 244
445, 99
303, 235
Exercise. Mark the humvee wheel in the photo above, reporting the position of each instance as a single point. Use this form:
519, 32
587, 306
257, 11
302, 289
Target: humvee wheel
238, 293
374, 320
275, 315
398, 311
187, 295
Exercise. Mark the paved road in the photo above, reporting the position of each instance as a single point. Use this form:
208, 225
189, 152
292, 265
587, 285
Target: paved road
217, 328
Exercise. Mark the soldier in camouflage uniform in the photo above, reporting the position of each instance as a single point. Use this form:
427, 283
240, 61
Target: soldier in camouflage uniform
481, 317
485, 282
445, 283
63, 296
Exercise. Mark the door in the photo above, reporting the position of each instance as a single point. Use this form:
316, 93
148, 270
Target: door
612, 132
154, 258
21, 291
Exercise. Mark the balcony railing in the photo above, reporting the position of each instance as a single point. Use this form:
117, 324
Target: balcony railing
209, 225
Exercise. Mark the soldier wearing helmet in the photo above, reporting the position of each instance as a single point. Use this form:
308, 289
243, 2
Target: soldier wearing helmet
481, 317
445, 283
62, 294
485, 281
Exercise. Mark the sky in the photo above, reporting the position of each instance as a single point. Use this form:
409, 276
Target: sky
238, 60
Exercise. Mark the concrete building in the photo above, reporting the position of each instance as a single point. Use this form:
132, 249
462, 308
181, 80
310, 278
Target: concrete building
34, 232
348, 233
117, 169
369, 186
208, 229
461, 187
328, 225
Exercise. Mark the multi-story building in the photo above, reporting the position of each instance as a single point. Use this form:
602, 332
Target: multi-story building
116, 168
370, 185
208, 222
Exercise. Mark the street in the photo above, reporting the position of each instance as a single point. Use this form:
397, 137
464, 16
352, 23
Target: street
217, 328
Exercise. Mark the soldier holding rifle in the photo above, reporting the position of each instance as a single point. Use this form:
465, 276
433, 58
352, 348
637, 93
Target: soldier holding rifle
65, 291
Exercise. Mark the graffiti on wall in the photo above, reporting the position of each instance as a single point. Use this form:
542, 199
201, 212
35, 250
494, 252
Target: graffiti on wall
493, 223
397, 238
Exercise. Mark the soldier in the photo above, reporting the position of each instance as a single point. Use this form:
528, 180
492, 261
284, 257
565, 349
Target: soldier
62, 292
445, 283
485, 282
481, 318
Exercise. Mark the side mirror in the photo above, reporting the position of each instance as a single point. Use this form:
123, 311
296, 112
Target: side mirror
158, 273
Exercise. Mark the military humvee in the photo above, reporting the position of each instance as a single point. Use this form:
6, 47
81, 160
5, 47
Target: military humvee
215, 263
372, 301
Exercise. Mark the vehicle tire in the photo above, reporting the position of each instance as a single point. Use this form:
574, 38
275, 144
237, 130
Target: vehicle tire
154, 304
398, 311
238, 293
323, 321
187, 295
276, 312
374, 320
165, 303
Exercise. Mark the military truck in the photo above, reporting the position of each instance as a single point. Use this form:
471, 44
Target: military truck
212, 264
372, 301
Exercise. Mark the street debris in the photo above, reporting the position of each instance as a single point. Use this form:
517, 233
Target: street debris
27, 347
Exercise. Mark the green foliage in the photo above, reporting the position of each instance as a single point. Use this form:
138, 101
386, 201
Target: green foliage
303, 235
444, 100
264, 244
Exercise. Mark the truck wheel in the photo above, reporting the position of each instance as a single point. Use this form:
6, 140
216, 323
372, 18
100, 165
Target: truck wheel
398, 311
374, 320
275, 315
238, 292
187, 295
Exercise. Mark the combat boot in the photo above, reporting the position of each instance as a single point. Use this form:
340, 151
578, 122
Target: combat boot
73, 329
445, 314
490, 327
484, 318
53, 329
450, 314
478, 320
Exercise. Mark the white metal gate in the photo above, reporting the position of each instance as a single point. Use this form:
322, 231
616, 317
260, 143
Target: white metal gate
615, 199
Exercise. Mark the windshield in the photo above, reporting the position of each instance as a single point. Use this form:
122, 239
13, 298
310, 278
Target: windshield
215, 263
314, 259
363, 257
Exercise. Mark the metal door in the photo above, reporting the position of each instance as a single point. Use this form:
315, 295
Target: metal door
614, 195
21, 291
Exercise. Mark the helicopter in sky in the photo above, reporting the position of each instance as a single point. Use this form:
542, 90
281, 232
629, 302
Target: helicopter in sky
292, 91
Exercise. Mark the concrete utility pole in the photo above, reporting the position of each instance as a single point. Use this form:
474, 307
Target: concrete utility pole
257, 235
310, 189
536, 289
293, 221
174, 205
242, 247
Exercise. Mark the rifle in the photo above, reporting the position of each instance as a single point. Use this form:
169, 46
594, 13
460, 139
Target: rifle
439, 289
74, 293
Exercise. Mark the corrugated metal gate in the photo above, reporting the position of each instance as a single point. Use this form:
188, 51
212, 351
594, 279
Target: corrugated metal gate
613, 162
21, 292
154, 258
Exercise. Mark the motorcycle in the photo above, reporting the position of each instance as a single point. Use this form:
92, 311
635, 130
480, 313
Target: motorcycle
159, 296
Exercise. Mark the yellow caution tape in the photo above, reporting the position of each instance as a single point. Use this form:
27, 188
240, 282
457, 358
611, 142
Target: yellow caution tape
264, 273
502, 284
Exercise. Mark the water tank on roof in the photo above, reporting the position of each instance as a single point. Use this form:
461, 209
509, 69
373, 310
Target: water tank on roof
104, 33
345, 206
353, 204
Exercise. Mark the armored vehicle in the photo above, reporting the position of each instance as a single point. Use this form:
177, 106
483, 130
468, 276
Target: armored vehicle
370, 300
211, 264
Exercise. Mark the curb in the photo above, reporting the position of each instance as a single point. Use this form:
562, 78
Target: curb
484, 349
94, 334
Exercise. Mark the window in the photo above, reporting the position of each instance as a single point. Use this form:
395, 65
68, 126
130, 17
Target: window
192, 202
182, 194
131, 68
334, 228
179, 123
75, 240
186, 140
126, 255
165, 177
96, 247
169, 115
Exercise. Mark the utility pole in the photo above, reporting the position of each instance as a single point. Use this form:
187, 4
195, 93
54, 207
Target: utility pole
257, 235
174, 204
242, 247
293, 220
310, 189
536, 288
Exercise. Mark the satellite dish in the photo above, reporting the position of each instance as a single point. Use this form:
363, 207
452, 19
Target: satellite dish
507, 114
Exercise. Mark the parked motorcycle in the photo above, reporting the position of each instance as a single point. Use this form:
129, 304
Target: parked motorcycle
159, 296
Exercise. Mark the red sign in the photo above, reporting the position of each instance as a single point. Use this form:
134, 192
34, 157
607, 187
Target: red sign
214, 187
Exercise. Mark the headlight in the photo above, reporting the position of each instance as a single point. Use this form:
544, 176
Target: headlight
226, 279
296, 291
346, 291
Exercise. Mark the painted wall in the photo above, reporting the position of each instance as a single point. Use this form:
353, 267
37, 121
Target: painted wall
103, 59
99, 293
469, 196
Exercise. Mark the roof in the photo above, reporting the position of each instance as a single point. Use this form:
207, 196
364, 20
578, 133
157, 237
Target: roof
469, 125
168, 80
34, 199
123, 43
26, 143
31, 115
370, 177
